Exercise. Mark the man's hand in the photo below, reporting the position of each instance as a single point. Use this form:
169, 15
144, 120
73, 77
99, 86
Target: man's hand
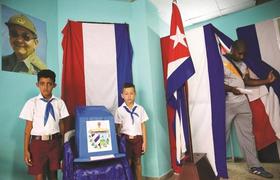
232, 89
235, 91
27, 158
270, 78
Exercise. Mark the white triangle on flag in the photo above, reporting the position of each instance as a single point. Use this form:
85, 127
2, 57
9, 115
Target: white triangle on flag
172, 66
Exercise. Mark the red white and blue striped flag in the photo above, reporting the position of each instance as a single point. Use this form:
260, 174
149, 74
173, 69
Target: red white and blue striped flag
262, 56
178, 68
97, 60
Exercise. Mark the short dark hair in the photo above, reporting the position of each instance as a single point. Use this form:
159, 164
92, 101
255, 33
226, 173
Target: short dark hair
128, 85
237, 44
46, 73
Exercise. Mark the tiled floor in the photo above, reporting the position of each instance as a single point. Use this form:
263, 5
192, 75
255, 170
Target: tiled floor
238, 171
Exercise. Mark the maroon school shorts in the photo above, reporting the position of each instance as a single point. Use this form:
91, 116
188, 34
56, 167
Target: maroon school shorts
45, 153
134, 146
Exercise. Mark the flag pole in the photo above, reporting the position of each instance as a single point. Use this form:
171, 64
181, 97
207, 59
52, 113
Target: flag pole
190, 148
191, 159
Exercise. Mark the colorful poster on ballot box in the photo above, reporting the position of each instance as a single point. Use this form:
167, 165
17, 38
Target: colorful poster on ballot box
98, 136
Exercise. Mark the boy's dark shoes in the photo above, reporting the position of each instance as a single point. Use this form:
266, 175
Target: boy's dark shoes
261, 172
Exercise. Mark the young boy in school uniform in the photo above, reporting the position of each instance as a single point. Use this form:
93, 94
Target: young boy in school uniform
44, 115
130, 119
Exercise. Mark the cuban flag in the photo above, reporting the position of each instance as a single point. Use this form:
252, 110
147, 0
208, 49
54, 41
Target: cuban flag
206, 95
263, 52
97, 60
178, 68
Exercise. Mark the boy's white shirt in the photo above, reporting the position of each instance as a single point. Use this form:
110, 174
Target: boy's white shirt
34, 110
124, 118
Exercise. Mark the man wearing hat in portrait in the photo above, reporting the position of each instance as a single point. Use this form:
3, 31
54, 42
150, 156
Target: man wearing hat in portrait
24, 41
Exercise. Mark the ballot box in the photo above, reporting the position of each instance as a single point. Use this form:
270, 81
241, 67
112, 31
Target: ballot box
95, 134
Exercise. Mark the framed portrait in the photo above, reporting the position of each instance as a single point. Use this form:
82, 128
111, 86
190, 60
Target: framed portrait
24, 42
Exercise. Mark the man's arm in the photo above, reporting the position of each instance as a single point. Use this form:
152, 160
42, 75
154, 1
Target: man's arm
258, 82
27, 131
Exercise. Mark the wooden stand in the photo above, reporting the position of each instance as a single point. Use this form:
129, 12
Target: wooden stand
199, 169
